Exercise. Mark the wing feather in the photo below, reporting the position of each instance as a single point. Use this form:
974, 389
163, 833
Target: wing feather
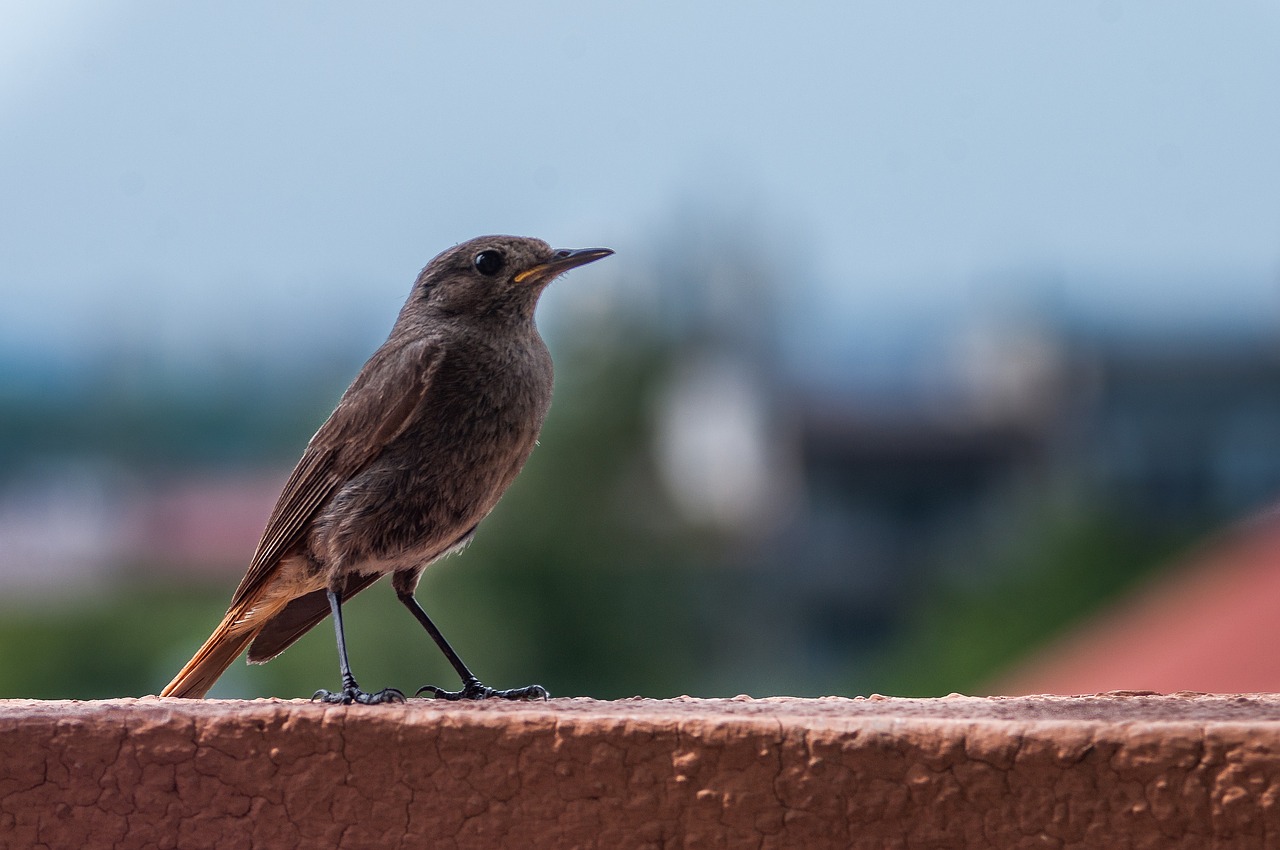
373, 411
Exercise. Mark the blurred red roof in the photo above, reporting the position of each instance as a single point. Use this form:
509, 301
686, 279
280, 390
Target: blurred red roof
1211, 625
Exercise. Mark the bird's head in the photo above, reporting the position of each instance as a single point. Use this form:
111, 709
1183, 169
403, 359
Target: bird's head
493, 276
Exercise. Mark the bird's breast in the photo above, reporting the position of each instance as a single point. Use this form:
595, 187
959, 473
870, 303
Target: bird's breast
429, 488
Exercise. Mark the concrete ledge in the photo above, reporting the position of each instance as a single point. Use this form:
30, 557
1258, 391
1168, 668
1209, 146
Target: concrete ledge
1114, 770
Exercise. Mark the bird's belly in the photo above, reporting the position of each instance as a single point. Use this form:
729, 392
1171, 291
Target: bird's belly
406, 511
409, 558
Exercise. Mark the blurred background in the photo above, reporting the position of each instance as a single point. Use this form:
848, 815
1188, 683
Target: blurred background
941, 350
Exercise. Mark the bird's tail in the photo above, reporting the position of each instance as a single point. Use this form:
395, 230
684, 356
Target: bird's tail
233, 634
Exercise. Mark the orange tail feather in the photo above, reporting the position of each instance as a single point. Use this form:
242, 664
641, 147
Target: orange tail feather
211, 660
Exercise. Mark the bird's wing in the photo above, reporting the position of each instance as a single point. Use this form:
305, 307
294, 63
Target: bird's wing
372, 412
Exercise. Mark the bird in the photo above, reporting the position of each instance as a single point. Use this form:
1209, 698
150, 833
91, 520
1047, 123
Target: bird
421, 446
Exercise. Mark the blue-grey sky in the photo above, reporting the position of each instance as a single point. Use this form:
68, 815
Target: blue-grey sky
191, 174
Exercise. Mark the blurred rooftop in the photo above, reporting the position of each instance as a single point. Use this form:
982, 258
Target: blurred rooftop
1208, 624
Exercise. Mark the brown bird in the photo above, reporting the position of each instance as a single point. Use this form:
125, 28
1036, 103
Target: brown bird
421, 446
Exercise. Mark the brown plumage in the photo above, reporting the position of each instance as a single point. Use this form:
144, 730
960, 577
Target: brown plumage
421, 446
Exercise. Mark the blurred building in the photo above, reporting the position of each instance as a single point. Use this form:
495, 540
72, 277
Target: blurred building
875, 487
1184, 426
74, 528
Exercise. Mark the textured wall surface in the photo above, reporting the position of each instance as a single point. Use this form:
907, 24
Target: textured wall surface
1109, 771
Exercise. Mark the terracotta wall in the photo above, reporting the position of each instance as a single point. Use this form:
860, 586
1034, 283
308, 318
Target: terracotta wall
1111, 771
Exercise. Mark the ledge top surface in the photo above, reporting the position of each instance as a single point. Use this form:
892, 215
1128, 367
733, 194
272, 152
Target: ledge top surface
1117, 707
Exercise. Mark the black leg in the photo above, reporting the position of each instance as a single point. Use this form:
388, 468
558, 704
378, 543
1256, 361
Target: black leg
472, 688
350, 690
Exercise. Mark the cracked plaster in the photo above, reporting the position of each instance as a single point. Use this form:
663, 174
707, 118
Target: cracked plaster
1123, 770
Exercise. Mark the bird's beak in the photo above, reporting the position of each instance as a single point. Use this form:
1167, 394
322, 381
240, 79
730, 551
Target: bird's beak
561, 261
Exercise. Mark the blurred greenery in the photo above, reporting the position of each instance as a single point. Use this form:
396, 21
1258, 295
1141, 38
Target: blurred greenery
586, 580
1057, 570
577, 620
562, 585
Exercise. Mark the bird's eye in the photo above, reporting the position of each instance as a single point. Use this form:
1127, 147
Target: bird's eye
488, 263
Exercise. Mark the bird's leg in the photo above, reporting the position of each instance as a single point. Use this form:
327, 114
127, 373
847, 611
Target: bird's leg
350, 690
472, 688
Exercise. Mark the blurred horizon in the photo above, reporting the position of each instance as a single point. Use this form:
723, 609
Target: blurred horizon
931, 329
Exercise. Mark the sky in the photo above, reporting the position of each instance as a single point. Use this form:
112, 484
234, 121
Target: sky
203, 176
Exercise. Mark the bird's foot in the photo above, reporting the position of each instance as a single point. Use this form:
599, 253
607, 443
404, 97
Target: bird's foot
352, 694
473, 689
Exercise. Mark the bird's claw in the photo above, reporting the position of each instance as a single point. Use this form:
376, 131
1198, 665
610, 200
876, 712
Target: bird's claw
352, 694
474, 689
